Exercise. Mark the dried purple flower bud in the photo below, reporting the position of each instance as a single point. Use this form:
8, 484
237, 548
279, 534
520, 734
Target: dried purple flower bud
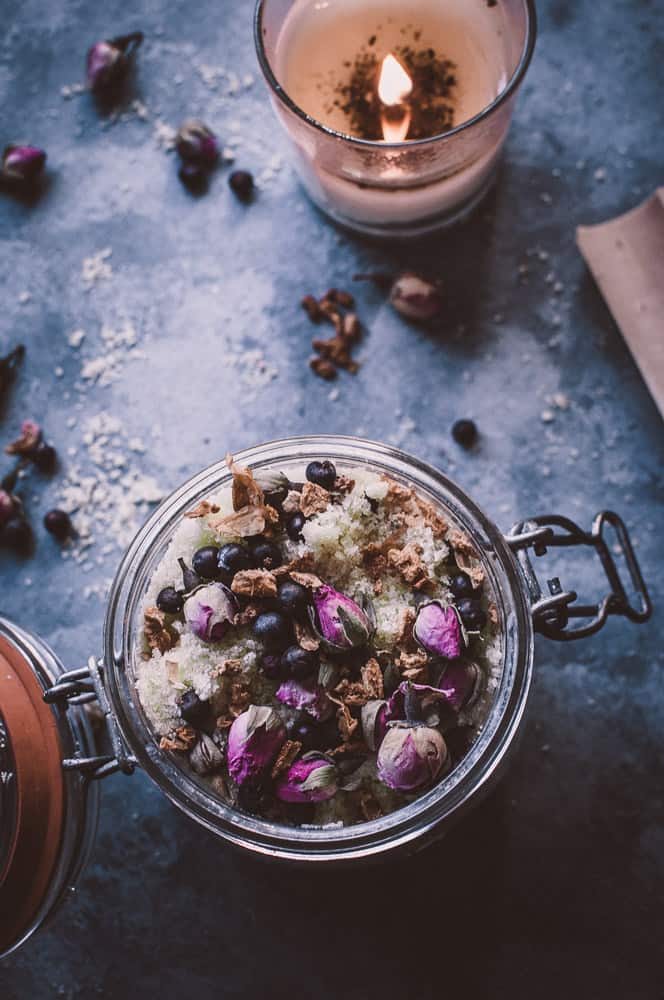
411, 757
415, 298
458, 687
254, 741
340, 623
460, 684
6, 506
27, 441
195, 142
374, 723
22, 164
210, 611
312, 779
306, 696
107, 62
438, 630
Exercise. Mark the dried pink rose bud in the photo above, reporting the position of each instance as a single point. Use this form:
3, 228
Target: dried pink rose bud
415, 297
108, 61
438, 630
306, 696
460, 684
21, 163
254, 741
374, 723
27, 441
411, 757
458, 687
197, 143
311, 779
340, 623
6, 506
210, 611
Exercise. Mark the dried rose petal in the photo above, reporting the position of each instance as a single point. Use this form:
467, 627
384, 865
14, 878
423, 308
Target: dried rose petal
254, 741
307, 696
210, 611
374, 723
308, 780
21, 163
411, 757
339, 621
438, 630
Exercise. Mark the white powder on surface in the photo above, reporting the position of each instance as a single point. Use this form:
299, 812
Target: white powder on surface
97, 267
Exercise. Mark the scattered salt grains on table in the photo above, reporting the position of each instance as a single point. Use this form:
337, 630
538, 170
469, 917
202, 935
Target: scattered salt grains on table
75, 338
97, 267
120, 347
70, 90
107, 497
164, 135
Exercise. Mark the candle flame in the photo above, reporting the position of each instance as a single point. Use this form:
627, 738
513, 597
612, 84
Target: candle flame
394, 86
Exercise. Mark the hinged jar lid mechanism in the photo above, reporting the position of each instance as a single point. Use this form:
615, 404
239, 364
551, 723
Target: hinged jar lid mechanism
551, 614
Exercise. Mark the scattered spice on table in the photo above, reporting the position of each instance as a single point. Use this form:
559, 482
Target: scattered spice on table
335, 307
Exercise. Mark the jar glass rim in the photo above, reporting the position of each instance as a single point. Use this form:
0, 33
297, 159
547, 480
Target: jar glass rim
510, 88
394, 829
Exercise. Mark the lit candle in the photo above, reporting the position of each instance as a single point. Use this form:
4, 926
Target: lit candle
394, 87
397, 109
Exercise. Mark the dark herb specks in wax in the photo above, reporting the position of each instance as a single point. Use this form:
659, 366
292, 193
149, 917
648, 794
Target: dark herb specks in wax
431, 101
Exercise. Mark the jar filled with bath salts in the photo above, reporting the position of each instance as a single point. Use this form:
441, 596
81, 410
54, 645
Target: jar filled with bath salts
181, 756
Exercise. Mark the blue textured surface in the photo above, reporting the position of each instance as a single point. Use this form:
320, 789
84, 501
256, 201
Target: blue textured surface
555, 886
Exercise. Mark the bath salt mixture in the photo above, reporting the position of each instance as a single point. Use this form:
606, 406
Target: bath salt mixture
318, 646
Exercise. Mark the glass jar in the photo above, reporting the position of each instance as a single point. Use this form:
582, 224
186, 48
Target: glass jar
522, 609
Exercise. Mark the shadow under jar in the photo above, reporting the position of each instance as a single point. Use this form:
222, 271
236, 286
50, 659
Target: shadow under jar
40, 701
388, 158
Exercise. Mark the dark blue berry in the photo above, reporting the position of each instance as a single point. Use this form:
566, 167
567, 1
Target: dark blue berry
294, 527
299, 663
232, 559
58, 523
313, 735
464, 433
293, 598
271, 665
273, 629
266, 554
241, 184
170, 601
322, 474
461, 585
44, 456
204, 562
472, 615
16, 534
193, 710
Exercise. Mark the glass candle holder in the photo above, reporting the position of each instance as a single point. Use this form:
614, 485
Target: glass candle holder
315, 56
